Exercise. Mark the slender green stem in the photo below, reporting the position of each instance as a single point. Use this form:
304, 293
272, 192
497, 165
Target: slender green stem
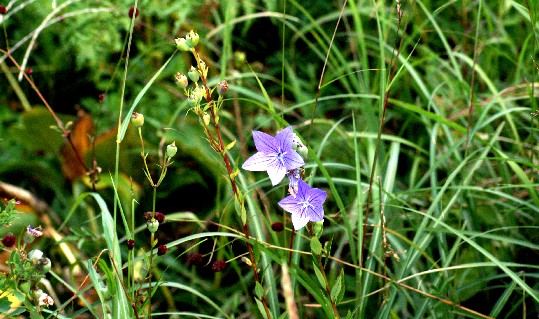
150, 266
323, 271
16, 87
219, 146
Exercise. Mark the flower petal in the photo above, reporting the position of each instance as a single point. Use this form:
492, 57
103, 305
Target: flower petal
315, 213
291, 205
259, 162
303, 190
276, 172
299, 222
292, 160
285, 138
317, 197
265, 143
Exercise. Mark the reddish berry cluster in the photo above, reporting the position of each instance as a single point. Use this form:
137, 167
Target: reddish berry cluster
218, 265
9, 240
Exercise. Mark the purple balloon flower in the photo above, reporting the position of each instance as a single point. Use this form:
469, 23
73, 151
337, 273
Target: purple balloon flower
305, 206
275, 155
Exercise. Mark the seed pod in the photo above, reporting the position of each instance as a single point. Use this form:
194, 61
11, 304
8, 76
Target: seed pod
137, 119
171, 151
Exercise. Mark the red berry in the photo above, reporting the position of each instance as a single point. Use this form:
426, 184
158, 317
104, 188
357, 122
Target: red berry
3, 9
101, 97
131, 10
218, 266
160, 217
161, 250
277, 227
195, 260
9, 240
29, 71
130, 244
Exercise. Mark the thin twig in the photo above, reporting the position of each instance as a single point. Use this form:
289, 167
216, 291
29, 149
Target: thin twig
59, 123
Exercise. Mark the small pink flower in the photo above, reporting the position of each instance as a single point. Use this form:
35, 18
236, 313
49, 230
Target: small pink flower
45, 300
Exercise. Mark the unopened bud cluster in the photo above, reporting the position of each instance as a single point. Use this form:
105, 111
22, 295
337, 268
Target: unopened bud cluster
196, 94
188, 43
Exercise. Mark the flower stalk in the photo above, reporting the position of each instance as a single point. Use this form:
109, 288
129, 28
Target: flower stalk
209, 116
152, 224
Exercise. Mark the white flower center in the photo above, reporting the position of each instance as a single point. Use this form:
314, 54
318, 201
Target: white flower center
304, 205
280, 156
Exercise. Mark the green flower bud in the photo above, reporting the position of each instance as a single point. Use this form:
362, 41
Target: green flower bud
35, 255
182, 45
137, 119
299, 147
36, 293
192, 39
303, 151
199, 93
172, 149
152, 225
239, 59
192, 100
222, 87
206, 117
181, 80
193, 74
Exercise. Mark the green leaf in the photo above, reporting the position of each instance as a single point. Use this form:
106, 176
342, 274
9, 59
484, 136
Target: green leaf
261, 308
319, 276
259, 290
34, 314
337, 292
5, 304
502, 301
318, 228
38, 131
283, 315
316, 246
240, 209
230, 145
234, 174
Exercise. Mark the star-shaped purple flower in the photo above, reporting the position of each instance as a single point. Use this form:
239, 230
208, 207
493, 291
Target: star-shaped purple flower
275, 155
305, 206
